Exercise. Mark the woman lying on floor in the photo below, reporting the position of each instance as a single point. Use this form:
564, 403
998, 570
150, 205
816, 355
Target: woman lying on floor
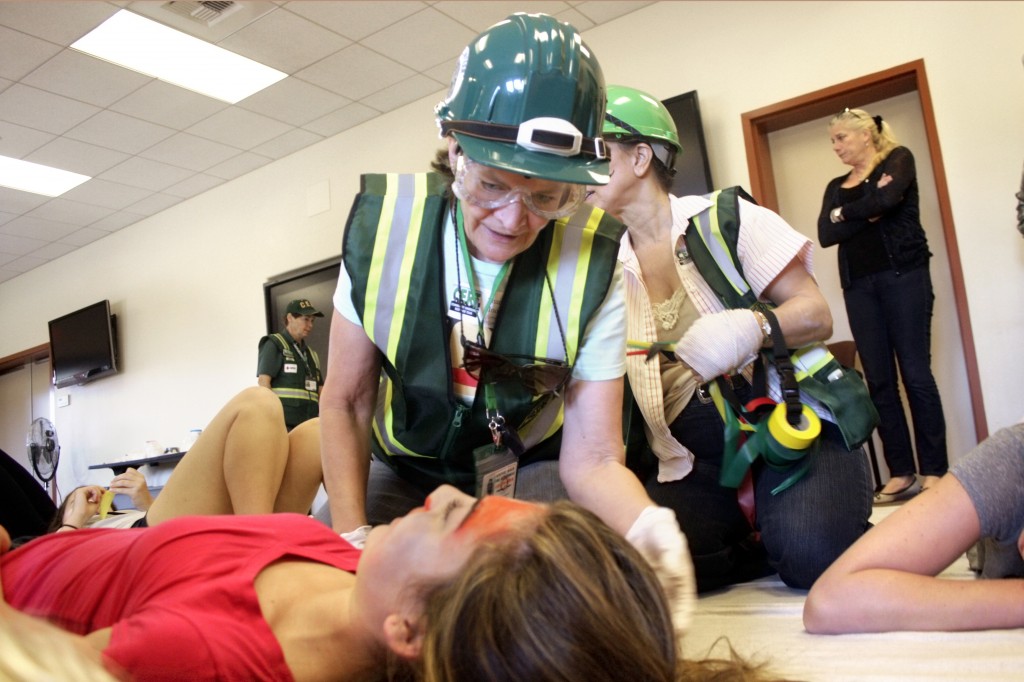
886, 580
244, 462
457, 590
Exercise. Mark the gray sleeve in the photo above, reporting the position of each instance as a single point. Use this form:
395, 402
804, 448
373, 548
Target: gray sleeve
993, 476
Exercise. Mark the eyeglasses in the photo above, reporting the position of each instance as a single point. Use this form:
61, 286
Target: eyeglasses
540, 376
557, 201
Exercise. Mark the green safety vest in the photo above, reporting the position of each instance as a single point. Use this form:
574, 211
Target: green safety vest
394, 253
712, 241
299, 404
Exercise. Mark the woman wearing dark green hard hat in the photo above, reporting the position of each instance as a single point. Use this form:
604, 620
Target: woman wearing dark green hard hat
478, 337
686, 329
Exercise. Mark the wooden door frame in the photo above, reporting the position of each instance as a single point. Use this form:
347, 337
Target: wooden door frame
899, 80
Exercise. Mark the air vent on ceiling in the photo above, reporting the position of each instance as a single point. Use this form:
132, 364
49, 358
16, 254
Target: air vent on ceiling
206, 12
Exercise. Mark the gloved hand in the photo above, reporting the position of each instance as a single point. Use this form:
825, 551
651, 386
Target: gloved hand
656, 535
720, 343
357, 537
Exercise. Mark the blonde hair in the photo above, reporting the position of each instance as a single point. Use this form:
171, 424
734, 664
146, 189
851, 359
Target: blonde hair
566, 599
32, 650
882, 137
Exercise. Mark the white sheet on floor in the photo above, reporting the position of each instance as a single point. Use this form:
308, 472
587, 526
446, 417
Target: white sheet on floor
762, 621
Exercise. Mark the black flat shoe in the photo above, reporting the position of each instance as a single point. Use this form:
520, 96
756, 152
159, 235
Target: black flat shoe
911, 489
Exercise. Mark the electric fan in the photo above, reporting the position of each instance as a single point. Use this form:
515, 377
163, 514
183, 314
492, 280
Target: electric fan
43, 448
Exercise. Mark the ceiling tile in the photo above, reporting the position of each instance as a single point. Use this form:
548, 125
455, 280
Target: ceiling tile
168, 105
77, 157
154, 203
343, 119
53, 250
19, 246
145, 173
83, 236
112, 223
293, 101
194, 185
57, 22
409, 90
189, 151
20, 54
86, 79
286, 144
354, 72
356, 20
37, 228
284, 41
68, 211
17, 141
112, 195
42, 110
25, 263
239, 128
238, 165
117, 131
16, 201
72, 111
481, 15
423, 40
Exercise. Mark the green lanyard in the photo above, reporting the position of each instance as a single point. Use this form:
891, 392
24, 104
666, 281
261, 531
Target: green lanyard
490, 401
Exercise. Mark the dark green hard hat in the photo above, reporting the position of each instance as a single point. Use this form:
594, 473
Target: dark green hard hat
528, 96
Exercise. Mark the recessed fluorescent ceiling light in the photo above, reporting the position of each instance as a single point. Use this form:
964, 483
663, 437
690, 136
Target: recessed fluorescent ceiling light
145, 46
37, 178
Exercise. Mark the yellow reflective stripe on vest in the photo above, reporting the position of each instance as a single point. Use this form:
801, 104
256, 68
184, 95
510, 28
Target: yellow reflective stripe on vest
401, 221
573, 235
296, 394
711, 233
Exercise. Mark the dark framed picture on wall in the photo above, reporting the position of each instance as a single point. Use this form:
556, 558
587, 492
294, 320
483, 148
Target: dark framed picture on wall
693, 172
315, 282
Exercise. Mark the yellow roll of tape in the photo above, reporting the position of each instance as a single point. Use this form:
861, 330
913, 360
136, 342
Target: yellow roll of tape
797, 437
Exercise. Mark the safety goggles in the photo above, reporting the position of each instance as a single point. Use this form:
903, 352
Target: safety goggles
540, 376
474, 187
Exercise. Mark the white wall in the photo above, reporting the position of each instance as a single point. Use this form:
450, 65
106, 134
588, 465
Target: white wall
187, 283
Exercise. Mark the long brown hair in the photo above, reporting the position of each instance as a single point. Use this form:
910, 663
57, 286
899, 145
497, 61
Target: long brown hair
565, 600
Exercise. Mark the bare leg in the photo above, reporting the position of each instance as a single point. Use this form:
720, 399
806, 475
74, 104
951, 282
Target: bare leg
235, 467
303, 472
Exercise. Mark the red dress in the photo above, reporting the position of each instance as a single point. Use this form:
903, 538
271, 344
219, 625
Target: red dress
179, 596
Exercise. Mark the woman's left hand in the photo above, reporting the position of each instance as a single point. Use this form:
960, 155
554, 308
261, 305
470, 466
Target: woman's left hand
83, 504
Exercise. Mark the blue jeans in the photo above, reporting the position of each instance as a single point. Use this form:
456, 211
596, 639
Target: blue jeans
803, 529
890, 317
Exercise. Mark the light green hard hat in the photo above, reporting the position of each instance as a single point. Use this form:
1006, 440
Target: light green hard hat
633, 113
527, 96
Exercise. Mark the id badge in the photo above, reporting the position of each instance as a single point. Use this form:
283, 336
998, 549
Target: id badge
290, 368
310, 385
496, 469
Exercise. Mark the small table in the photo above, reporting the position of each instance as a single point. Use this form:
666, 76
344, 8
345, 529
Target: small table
156, 460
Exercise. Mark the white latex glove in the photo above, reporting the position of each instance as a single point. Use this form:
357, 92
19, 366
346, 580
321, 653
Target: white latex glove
720, 343
657, 536
357, 537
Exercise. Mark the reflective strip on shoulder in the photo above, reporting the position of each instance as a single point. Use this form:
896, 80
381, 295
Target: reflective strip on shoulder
711, 234
573, 235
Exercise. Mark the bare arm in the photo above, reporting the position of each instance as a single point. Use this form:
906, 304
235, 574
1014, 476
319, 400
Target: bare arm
803, 312
885, 581
346, 410
592, 458
263, 380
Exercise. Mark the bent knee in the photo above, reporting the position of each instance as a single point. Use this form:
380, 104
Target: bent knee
259, 399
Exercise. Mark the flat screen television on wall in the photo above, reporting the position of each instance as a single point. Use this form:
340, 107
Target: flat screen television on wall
693, 171
83, 345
